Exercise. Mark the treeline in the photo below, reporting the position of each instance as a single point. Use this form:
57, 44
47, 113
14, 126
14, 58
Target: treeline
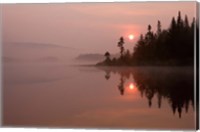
172, 46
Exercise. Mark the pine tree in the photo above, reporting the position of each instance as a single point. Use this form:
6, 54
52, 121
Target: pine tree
107, 60
121, 46
159, 30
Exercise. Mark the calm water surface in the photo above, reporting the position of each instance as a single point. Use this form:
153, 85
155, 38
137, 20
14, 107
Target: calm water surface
58, 95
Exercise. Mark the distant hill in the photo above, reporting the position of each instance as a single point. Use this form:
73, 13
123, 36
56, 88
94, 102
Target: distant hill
38, 45
90, 57
43, 59
10, 59
48, 59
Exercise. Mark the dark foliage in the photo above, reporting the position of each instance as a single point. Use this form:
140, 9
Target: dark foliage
173, 46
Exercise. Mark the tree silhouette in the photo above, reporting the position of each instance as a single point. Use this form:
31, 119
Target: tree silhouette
127, 57
159, 30
107, 55
107, 60
172, 47
121, 46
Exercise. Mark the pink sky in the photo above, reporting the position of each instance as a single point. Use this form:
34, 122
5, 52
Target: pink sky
89, 27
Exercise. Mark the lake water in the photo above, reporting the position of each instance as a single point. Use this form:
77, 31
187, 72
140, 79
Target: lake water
58, 95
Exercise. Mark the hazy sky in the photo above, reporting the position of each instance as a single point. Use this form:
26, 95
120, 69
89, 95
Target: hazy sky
84, 28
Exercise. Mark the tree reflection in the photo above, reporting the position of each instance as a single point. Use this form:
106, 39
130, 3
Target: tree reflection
121, 86
174, 84
107, 76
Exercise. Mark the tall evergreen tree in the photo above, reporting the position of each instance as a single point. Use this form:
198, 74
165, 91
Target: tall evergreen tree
186, 22
179, 21
107, 60
121, 46
159, 30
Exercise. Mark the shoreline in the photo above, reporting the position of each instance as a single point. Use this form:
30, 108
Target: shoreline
137, 67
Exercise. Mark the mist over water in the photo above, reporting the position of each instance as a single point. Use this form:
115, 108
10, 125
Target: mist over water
59, 95
37, 53
45, 85
48, 88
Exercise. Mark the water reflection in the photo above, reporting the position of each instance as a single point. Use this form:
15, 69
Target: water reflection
174, 84
107, 76
121, 85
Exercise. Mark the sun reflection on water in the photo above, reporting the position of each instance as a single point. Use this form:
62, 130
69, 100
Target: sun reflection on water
131, 88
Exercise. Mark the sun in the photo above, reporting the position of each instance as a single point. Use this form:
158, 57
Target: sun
131, 86
131, 36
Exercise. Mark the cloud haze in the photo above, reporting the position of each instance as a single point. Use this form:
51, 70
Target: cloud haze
90, 27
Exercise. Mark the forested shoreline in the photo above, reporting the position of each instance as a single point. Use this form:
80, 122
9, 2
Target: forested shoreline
165, 47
